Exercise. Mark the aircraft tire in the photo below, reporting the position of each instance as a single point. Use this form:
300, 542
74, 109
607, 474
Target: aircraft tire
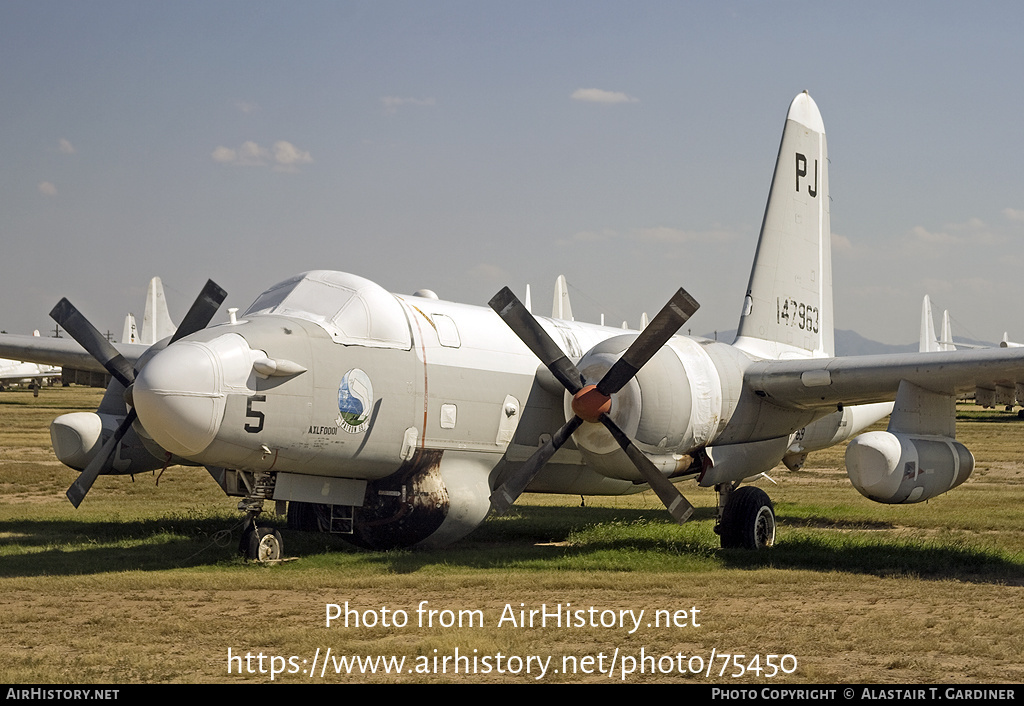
748, 521
265, 544
303, 517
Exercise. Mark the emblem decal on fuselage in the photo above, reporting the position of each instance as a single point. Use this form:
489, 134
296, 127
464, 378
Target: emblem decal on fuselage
355, 400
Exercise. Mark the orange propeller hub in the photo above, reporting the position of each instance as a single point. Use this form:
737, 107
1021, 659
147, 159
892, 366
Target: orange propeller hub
590, 403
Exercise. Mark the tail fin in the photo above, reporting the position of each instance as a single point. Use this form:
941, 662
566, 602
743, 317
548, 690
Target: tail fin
561, 309
131, 331
928, 342
946, 344
156, 322
787, 312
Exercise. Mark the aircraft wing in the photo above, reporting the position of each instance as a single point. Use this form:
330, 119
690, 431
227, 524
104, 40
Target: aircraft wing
37, 375
819, 382
64, 352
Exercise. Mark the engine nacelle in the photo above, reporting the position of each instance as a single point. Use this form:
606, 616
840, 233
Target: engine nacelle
78, 436
660, 409
901, 468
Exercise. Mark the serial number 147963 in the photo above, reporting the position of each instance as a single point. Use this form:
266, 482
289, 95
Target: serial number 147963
790, 312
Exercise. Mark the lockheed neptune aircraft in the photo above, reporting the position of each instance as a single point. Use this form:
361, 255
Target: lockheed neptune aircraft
404, 420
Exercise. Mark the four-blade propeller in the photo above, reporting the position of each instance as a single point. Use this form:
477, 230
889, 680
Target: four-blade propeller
80, 329
591, 403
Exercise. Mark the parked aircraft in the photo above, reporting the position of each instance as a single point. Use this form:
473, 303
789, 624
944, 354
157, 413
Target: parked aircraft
156, 321
15, 372
48, 355
929, 341
404, 420
998, 394
18, 372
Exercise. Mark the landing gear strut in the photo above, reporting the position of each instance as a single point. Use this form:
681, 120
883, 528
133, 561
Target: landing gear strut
746, 517
262, 544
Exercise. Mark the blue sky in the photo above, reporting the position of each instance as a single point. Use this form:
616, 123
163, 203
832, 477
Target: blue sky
463, 146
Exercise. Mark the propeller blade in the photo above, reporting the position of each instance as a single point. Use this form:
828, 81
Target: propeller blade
678, 507
72, 321
661, 328
202, 310
668, 321
76, 493
511, 489
65, 314
530, 332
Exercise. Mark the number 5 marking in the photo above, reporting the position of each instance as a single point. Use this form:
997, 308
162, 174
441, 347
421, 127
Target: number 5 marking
251, 413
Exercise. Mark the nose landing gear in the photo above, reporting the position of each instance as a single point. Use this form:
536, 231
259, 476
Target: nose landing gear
262, 544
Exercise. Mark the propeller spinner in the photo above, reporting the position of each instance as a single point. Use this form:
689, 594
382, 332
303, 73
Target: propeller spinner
591, 403
80, 329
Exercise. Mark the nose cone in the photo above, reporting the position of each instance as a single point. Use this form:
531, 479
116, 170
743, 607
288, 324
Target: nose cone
179, 398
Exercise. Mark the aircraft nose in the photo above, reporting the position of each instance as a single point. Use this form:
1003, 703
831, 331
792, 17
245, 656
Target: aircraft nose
179, 398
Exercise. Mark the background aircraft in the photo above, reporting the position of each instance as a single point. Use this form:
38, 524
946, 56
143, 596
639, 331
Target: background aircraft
403, 420
48, 355
929, 341
1001, 394
156, 321
16, 372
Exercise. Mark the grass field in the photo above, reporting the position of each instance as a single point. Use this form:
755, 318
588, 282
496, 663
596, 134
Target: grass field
143, 583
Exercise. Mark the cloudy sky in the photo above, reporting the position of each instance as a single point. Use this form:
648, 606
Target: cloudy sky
463, 146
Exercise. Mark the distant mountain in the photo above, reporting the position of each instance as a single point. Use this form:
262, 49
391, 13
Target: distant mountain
852, 343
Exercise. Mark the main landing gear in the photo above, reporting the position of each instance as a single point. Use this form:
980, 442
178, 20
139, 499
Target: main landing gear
746, 517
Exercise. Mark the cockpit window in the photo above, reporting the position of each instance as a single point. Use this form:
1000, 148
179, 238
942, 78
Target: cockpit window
268, 301
354, 310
